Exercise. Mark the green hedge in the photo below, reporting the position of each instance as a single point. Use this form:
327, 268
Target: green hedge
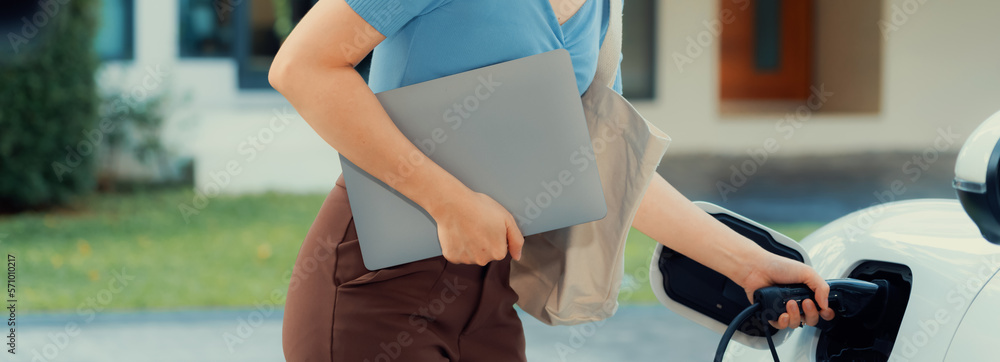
48, 105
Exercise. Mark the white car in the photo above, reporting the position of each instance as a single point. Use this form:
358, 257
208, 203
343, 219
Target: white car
938, 258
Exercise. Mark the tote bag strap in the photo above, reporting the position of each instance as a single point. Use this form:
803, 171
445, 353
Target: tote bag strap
610, 53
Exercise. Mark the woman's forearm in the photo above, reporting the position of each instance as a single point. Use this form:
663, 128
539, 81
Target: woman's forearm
672, 220
322, 85
341, 108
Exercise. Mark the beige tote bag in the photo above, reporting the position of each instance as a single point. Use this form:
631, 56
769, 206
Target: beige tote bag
572, 275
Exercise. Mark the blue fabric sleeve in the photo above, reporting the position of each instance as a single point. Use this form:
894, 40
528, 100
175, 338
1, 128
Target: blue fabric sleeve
617, 87
388, 16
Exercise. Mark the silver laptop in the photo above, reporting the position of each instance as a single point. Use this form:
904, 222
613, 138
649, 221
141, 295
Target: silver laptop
514, 131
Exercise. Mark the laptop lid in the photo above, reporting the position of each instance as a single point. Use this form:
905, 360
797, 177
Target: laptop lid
515, 131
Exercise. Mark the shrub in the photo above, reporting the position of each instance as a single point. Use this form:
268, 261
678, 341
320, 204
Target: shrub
48, 104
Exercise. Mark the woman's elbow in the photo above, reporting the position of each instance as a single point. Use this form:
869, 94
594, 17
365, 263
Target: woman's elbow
300, 69
278, 75
286, 71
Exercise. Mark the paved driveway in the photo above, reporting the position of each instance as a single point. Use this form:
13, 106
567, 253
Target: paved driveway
636, 333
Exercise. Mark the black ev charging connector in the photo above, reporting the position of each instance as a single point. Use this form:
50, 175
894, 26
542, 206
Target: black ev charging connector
849, 298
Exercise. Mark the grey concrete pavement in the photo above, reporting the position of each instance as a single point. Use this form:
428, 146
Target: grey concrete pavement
636, 333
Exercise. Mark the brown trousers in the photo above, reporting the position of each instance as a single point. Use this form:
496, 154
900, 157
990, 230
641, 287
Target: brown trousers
429, 310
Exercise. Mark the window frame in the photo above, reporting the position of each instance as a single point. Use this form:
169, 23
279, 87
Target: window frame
183, 5
247, 79
649, 94
128, 33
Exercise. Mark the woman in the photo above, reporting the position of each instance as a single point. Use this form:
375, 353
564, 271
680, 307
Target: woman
458, 306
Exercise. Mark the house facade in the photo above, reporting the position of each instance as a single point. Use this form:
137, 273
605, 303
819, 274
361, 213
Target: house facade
849, 77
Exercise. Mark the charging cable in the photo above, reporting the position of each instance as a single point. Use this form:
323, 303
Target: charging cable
849, 298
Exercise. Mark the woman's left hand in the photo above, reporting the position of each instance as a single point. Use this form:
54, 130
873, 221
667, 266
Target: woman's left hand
772, 270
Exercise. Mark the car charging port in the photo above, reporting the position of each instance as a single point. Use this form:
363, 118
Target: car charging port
851, 299
869, 335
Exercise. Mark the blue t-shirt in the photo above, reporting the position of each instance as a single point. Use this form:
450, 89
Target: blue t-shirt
429, 39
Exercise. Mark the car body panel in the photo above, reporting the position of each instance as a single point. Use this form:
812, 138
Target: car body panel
950, 260
977, 332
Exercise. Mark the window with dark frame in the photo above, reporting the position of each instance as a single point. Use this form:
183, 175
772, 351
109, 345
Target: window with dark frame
115, 38
205, 28
261, 26
638, 68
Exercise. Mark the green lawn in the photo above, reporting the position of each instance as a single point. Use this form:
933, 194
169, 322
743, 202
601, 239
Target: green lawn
234, 253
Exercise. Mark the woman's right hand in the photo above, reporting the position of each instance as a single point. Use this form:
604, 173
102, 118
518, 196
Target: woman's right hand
475, 229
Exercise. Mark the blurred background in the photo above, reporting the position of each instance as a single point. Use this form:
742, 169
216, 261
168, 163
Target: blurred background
154, 189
